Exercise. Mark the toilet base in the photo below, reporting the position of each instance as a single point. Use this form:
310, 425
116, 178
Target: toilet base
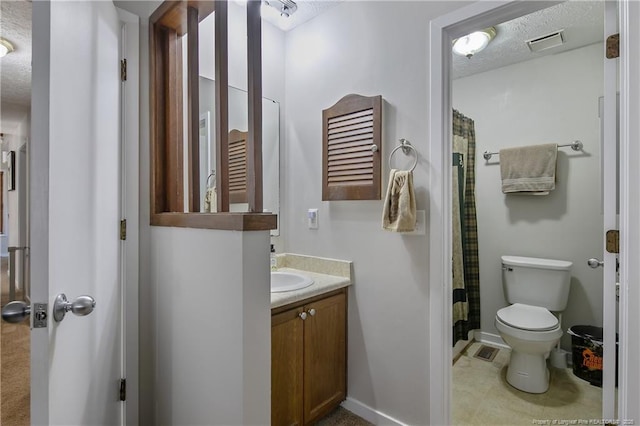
528, 372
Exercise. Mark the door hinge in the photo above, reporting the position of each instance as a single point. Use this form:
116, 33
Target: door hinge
123, 389
123, 229
613, 241
613, 46
123, 70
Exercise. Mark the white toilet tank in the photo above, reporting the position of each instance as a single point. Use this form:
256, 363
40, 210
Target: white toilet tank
537, 282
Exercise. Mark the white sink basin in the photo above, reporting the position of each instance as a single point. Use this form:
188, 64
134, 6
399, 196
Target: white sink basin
288, 281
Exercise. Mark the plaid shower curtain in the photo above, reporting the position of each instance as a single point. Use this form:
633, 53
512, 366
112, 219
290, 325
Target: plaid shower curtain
466, 269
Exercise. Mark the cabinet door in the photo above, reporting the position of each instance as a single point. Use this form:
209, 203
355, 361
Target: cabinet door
325, 356
286, 368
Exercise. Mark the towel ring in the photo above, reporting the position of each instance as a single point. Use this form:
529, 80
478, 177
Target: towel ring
406, 147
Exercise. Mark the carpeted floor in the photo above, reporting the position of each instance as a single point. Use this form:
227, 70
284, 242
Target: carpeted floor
342, 417
14, 365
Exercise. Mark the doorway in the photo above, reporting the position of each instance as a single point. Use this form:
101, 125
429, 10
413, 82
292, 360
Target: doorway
443, 31
513, 105
15, 338
92, 243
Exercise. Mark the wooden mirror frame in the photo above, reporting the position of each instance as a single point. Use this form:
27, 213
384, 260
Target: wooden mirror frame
172, 20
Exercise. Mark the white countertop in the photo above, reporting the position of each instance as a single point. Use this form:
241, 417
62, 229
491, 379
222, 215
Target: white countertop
322, 283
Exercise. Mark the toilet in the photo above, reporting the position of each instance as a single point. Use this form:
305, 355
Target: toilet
534, 288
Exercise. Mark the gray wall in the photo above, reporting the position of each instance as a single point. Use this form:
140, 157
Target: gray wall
369, 48
553, 99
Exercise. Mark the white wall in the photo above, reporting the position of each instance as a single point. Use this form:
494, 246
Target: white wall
273, 89
212, 326
272, 53
553, 99
13, 218
13, 142
370, 48
204, 295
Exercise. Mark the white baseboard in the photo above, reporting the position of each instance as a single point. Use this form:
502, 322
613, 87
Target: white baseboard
369, 414
459, 347
462, 344
491, 339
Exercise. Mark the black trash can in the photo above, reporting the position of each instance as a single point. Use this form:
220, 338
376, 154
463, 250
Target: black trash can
587, 348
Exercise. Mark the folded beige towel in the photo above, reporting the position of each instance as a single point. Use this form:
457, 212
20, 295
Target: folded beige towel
529, 169
399, 212
211, 200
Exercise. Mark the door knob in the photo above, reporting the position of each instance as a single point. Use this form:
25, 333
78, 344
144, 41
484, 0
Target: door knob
80, 306
594, 263
312, 312
16, 311
303, 315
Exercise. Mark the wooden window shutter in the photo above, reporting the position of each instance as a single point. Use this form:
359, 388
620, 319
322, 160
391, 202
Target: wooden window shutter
351, 149
238, 166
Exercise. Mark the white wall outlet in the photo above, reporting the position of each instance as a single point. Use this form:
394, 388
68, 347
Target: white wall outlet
312, 218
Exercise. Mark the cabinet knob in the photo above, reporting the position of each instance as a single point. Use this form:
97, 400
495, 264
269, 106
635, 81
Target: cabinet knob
303, 315
312, 312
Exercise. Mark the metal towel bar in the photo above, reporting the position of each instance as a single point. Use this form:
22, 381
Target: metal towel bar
575, 145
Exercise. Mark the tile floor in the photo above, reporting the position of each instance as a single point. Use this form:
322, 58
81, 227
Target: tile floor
482, 396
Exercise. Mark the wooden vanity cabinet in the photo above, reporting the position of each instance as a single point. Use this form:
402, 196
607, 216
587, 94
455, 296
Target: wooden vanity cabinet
287, 363
308, 359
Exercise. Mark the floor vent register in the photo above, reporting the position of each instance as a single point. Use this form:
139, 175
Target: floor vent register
486, 353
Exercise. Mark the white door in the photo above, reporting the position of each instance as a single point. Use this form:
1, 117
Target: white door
610, 211
75, 204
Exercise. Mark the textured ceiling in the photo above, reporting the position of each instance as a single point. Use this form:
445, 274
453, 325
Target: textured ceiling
582, 22
15, 68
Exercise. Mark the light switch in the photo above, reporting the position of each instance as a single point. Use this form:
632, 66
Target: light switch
312, 218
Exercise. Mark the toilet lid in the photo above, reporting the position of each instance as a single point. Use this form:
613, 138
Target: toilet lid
527, 317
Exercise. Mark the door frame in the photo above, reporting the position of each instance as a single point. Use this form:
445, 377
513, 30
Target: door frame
130, 206
629, 68
39, 204
609, 165
38, 181
443, 31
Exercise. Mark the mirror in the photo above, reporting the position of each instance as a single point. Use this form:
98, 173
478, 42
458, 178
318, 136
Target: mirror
238, 123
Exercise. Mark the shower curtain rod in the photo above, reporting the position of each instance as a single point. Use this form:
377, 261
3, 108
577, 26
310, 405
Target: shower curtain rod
575, 145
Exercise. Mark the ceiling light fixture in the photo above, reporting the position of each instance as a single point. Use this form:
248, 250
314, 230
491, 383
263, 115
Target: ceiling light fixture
286, 8
5, 47
472, 43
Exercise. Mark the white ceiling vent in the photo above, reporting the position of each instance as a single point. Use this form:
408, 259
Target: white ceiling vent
548, 41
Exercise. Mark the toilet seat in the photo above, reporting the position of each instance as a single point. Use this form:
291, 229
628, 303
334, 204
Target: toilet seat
527, 317
529, 336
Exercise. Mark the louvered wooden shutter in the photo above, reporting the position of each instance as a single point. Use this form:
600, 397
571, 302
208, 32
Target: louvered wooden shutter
350, 167
238, 167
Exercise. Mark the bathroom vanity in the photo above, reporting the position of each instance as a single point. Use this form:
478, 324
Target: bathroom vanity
309, 346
